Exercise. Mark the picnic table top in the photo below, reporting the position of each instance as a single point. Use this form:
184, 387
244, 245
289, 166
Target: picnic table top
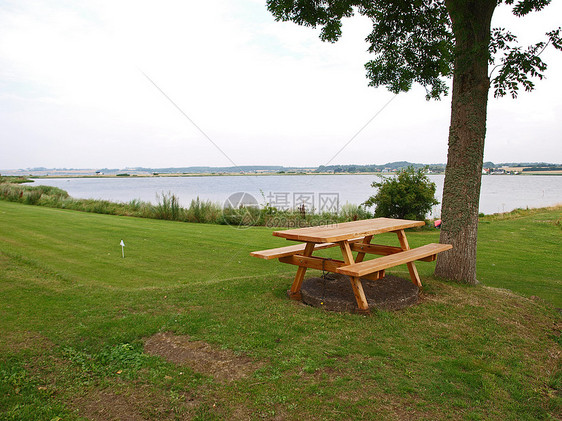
347, 230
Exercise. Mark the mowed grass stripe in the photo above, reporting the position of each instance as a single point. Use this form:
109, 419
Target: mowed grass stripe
85, 247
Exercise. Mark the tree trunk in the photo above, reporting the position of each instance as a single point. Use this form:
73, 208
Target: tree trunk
471, 21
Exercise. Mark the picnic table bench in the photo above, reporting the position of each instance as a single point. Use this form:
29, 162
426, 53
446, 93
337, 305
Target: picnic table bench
351, 237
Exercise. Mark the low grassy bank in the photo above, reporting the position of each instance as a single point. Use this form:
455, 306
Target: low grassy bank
168, 207
75, 318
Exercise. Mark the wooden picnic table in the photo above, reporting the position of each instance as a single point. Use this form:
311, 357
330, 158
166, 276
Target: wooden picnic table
352, 237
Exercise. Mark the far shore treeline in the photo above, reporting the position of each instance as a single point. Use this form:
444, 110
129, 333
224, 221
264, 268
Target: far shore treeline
390, 167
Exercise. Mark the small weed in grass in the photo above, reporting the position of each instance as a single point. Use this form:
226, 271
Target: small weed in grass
24, 397
123, 359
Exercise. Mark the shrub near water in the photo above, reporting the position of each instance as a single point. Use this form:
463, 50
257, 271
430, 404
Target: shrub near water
354, 212
203, 211
168, 207
30, 195
14, 179
410, 195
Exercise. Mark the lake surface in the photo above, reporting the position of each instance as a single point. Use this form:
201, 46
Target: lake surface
500, 193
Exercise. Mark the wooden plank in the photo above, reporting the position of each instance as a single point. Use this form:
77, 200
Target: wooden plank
382, 250
292, 250
295, 291
328, 265
348, 258
361, 255
312, 262
346, 230
411, 266
288, 251
346, 251
385, 262
355, 281
375, 249
375, 276
359, 294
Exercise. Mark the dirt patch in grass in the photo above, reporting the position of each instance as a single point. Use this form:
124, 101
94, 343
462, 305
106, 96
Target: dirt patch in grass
334, 292
113, 399
223, 365
106, 405
15, 342
132, 403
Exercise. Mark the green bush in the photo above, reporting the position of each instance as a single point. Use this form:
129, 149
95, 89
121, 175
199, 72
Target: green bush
352, 212
242, 216
409, 195
203, 211
32, 197
11, 192
14, 179
168, 207
51, 191
137, 207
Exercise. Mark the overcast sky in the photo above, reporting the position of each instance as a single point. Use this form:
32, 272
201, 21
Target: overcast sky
73, 91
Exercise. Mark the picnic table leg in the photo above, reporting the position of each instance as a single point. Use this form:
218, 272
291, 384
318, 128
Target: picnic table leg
361, 255
411, 266
355, 280
359, 294
295, 291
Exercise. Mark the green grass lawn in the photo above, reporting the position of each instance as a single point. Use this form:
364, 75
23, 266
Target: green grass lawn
74, 316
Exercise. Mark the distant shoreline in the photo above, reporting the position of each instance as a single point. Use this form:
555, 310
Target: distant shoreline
556, 173
514, 168
206, 175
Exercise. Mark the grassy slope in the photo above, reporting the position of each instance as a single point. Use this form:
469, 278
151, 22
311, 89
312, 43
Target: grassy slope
68, 300
521, 251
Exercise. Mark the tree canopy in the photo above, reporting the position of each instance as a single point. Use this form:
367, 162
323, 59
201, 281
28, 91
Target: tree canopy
414, 42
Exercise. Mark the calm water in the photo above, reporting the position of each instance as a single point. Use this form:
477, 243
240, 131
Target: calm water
500, 193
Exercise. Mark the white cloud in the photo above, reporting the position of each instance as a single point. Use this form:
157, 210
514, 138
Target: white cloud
73, 95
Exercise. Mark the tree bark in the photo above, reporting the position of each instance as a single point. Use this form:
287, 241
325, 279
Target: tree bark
471, 20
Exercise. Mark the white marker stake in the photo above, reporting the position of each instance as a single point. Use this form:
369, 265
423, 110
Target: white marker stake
122, 248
